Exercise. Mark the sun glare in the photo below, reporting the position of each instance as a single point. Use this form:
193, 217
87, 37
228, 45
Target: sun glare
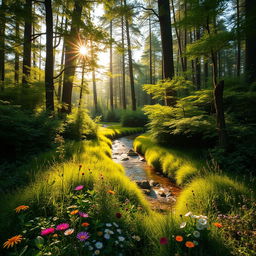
82, 50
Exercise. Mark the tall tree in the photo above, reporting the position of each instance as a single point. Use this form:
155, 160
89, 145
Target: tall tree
123, 62
250, 45
49, 65
2, 43
111, 66
167, 45
27, 43
70, 59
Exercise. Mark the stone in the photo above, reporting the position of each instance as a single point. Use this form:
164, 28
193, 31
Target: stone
154, 183
144, 184
125, 159
142, 159
146, 191
131, 152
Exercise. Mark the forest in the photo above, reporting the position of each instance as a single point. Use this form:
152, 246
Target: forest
128, 127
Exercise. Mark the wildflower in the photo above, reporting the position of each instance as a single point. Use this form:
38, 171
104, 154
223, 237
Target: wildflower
100, 233
99, 245
21, 208
202, 221
121, 238
62, 226
107, 236
80, 187
183, 224
12, 241
74, 212
218, 225
111, 192
84, 215
47, 231
163, 240
108, 224
188, 214
90, 248
200, 226
97, 252
189, 244
108, 231
137, 238
55, 235
82, 236
85, 224
118, 215
196, 234
179, 238
69, 232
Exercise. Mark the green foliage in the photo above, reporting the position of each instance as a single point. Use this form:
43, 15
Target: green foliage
133, 119
78, 125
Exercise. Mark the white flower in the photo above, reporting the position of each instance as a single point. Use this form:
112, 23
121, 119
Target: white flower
97, 252
202, 221
87, 243
90, 248
121, 238
188, 214
99, 245
108, 231
116, 225
108, 224
119, 231
196, 234
107, 236
195, 243
200, 226
183, 224
116, 242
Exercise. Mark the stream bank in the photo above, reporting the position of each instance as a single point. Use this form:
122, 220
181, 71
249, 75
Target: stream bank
159, 190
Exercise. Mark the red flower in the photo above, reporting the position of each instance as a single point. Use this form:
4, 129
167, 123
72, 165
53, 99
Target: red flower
163, 240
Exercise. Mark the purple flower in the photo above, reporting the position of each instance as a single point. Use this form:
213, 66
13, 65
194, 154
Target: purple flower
62, 226
84, 215
82, 236
80, 187
47, 231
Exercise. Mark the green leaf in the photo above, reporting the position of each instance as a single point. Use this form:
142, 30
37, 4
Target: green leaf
39, 242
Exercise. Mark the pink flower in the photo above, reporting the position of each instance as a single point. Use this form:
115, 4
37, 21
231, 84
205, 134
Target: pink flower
163, 240
62, 226
80, 187
47, 231
84, 215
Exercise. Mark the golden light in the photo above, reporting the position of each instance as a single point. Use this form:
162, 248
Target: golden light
82, 50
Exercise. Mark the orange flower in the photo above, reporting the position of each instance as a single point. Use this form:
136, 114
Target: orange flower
111, 192
218, 225
74, 212
12, 241
85, 224
100, 233
189, 244
179, 238
21, 208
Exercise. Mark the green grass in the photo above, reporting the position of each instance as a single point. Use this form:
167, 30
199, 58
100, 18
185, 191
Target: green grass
179, 165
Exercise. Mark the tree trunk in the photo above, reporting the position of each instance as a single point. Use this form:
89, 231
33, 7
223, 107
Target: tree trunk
123, 64
220, 118
133, 98
82, 85
70, 60
198, 64
250, 45
111, 69
2, 43
206, 72
27, 44
49, 66
16, 58
238, 64
95, 98
167, 46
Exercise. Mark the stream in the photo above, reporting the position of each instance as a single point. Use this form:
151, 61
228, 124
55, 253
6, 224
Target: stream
159, 190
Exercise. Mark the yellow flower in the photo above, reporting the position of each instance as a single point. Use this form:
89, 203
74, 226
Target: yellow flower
12, 241
21, 208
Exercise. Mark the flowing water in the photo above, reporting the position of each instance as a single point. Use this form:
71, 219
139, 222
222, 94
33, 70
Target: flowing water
162, 192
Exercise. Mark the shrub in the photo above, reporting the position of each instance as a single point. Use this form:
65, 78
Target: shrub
133, 119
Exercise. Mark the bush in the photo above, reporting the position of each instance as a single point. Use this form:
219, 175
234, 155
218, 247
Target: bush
79, 125
133, 119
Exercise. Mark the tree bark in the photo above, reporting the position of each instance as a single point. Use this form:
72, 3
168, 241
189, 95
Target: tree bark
133, 98
167, 46
95, 97
123, 64
16, 58
49, 66
198, 64
82, 85
238, 64
70, 60
250, 45
111, 68
27, 44
2, 43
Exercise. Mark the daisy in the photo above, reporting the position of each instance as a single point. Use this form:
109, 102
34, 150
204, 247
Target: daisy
121, 238
47, 231
196, 234
62, 226
69, 232
84, 215
189, 244
21, 208
82, 236
99, 245
107, 236
12, 241
97, 252
183, 224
